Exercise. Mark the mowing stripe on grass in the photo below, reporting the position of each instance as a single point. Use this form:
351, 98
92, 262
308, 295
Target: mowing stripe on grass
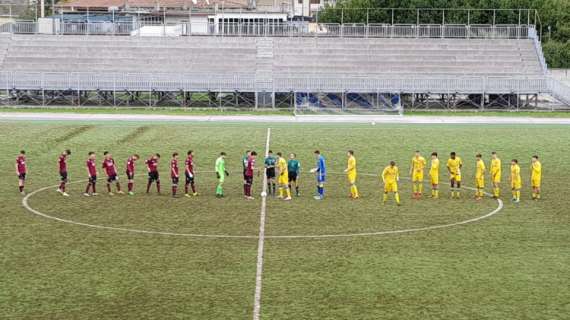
260, 243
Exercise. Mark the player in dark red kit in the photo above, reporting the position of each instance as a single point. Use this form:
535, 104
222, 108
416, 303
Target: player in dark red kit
249, 169
131, 173
152, 167
62, 162
110, 168
21, 171
189, 173
174, 173
92, 174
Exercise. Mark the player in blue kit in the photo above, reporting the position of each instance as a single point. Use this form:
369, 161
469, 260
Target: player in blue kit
320, 172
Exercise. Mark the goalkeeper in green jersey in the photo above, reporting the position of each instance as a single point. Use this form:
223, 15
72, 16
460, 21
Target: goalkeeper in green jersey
221, 174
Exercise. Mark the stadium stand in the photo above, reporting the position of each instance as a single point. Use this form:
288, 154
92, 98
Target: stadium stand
334, 57
269, 67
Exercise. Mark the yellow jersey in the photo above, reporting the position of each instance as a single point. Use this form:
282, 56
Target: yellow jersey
536, 170
515, 173
454, 165
418, 164
282, 166
480, 172
495, 167
351, 166
390, 174
434, 168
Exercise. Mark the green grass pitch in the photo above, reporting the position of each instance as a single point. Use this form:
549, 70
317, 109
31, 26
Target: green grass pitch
513, 265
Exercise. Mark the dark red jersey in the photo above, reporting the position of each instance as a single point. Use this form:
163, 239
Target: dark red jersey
152, 165
92, 167
109, 166
130, 165
21, 163
62, 163
250, 166
174, 168
190, 165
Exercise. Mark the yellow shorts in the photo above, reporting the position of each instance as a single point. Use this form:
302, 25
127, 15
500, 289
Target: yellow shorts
351, 178
496, 178
535, 182
418, 177
391, 187
434, 179
516, 185
480, 183
456, 177
283, 179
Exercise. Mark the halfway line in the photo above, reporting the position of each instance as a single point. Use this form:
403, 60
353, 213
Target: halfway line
261, 240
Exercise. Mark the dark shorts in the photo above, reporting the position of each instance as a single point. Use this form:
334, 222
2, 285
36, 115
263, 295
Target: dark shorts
189, 179
270, 173
153, 176
63, 176
292, 176
112, 178
92, 179
130, 175
22, 176
175, 180
248, 179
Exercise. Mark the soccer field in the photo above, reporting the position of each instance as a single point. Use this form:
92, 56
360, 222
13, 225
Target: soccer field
155, 257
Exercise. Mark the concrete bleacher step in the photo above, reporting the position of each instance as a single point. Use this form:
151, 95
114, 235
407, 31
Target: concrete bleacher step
266, 58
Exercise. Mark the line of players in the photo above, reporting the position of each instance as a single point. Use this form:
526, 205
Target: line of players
390, 176
287, 172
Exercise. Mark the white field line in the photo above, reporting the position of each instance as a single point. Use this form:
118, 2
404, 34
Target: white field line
26, 205
377, 119
261, 239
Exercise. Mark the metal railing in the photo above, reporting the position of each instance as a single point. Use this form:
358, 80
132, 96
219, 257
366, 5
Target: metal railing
559, 90
197, 82
285, 29
538, 48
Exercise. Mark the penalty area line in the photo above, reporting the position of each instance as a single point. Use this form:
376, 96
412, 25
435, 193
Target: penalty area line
261, 239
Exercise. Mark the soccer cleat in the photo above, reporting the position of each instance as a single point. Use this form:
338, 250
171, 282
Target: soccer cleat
287, 199
65, 194
95, 194
131, 193
195, 194
120, 192
59, 190
111, 194
516, 200
317, 198
187, 195
23, 193
86, 194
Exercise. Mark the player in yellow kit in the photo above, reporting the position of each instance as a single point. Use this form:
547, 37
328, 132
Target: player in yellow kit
454, 165
390, 176
516, 181
480, 177
351, 174
283, 178
495, 171
417, 173
434, 175
535, 177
